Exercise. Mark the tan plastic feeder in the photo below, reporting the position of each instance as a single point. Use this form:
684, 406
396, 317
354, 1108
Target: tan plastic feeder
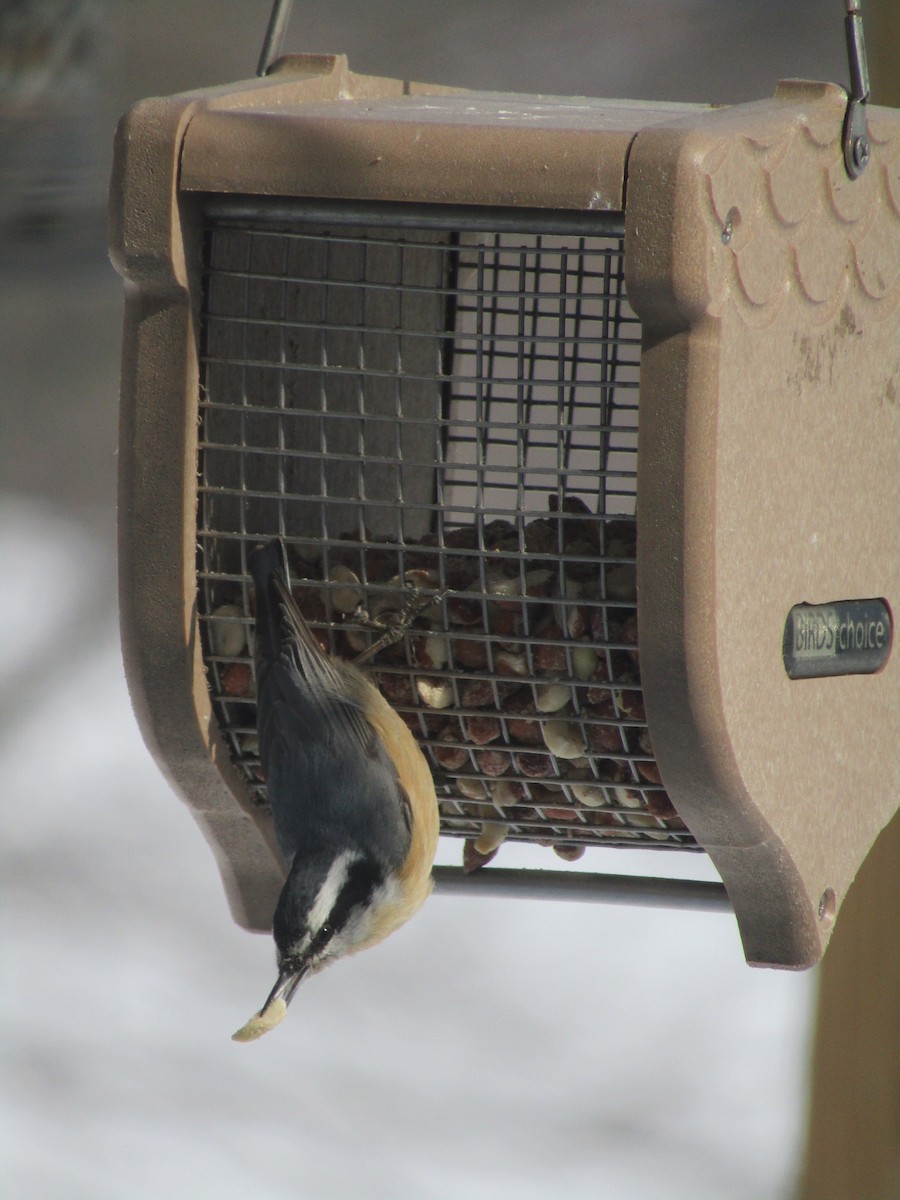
617, 385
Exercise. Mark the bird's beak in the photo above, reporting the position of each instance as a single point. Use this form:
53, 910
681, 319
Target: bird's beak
288, 981
275, 1007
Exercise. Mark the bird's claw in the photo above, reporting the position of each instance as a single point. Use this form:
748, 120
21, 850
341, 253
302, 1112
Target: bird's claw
393, 625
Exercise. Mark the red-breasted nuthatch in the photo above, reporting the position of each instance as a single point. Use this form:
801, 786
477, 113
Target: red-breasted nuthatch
353, 799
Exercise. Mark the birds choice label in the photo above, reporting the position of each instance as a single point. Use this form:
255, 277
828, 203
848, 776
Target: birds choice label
844, 637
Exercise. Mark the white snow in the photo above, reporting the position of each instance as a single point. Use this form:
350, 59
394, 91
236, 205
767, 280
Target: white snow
496, 1049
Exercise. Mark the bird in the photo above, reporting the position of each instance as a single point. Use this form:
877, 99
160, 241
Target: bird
353, 799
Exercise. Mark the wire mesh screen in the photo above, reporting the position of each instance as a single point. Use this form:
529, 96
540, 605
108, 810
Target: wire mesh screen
441, 423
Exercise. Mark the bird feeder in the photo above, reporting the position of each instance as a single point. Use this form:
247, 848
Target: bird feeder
603, 396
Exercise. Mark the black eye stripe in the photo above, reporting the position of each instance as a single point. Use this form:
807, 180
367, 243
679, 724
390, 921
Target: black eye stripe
356, 893
324, 936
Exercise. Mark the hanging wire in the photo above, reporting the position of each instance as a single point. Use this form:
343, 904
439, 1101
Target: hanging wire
271, 48
857, 146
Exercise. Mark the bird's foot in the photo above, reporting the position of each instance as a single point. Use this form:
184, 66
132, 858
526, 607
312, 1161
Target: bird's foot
393, 625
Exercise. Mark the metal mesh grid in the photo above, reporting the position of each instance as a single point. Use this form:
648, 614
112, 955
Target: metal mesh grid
440, 423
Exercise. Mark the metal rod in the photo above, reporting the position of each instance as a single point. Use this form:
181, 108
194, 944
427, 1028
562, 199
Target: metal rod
457, 217
576, 885
856, 143
856, 52
271, 47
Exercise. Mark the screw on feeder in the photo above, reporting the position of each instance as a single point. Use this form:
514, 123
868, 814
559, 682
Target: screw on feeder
827, 906
730, 224
861, 151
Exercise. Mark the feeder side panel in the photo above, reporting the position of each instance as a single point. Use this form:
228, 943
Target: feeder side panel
154, 245
807, 471
156, 502
745, 266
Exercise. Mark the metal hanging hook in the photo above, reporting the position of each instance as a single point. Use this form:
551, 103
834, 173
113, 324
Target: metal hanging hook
857, 147
271, 47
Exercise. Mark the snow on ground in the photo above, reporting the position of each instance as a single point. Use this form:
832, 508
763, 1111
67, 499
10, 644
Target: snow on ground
491, 1049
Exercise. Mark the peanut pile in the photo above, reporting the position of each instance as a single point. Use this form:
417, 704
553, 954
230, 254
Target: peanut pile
512, 653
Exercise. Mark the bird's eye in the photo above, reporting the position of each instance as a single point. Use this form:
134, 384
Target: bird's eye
326, 933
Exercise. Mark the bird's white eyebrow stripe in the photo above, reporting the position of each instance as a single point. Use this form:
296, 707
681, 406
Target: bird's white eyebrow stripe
331, 888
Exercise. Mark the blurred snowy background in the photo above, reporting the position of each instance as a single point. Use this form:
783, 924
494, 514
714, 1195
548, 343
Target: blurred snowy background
491, 1049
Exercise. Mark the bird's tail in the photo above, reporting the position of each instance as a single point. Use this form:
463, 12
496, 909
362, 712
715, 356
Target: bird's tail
267, 564
279, 622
